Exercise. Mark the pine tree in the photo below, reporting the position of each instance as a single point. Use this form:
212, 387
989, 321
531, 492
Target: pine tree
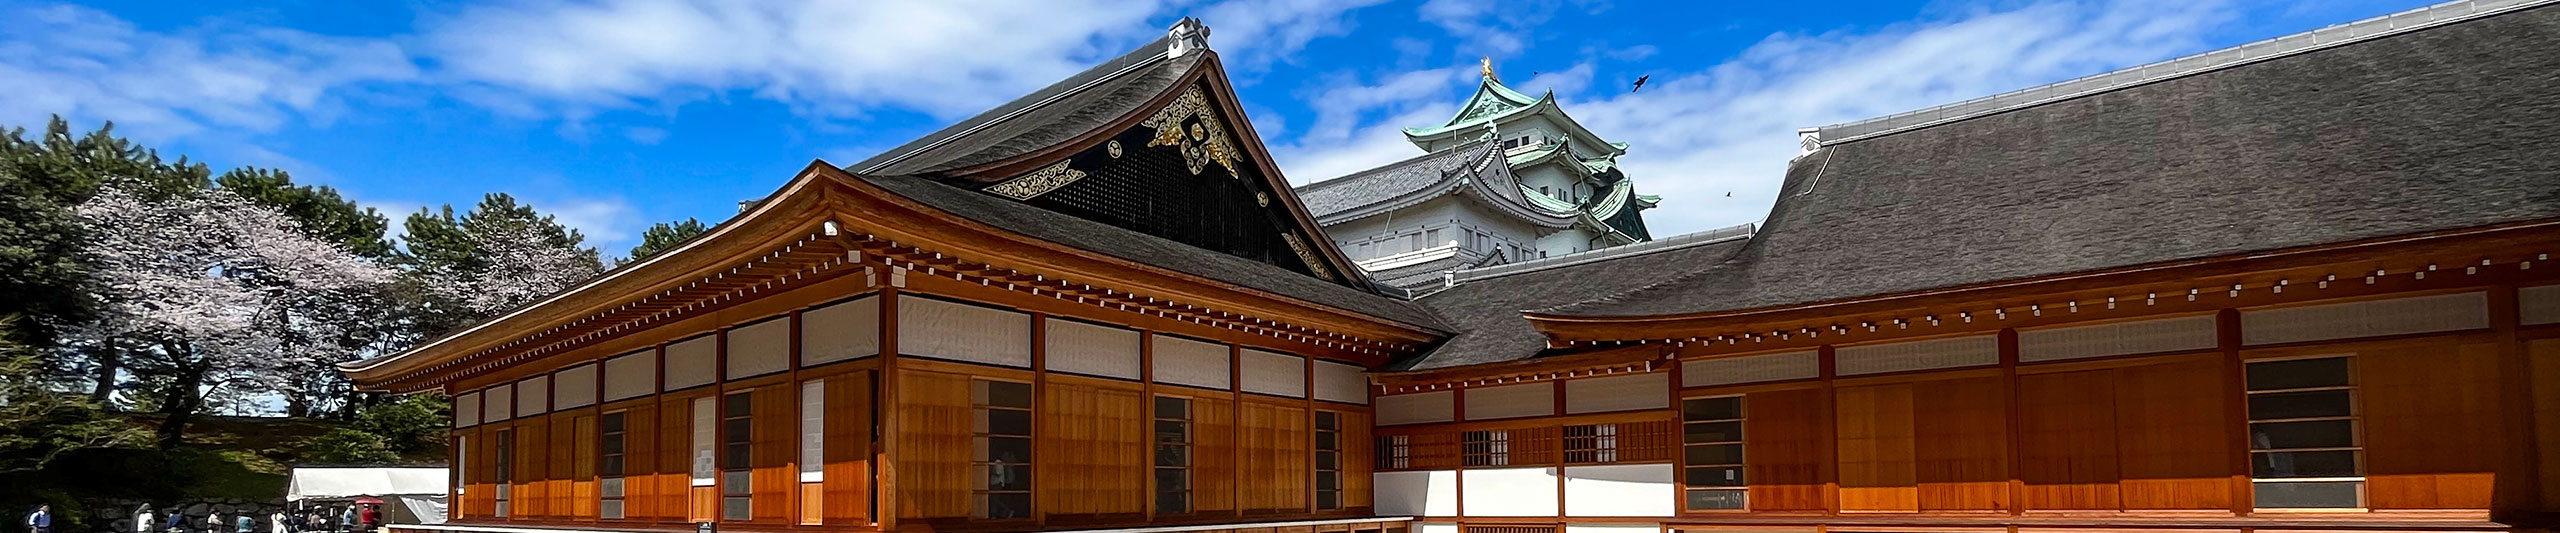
665, 235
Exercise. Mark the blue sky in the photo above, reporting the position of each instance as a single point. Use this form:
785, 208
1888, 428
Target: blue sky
614, 115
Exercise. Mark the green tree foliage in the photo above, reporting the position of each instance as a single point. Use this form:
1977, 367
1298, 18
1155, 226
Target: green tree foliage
470, 266
408, 424
666, 235
324, 214
38, 424
350, 446
41, 180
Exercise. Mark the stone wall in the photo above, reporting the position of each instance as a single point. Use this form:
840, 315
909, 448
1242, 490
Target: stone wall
116, 515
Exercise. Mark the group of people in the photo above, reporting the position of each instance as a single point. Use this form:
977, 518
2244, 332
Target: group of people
348, 518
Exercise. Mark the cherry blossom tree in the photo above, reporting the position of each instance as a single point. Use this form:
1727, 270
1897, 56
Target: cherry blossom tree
207, 283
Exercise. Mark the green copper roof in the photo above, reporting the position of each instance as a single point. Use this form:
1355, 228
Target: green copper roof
1549, 203
1492, 101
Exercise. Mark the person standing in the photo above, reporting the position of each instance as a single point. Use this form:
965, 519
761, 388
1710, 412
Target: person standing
371, 518
174, 521
40, 521
142, 519
275, 523
247, 523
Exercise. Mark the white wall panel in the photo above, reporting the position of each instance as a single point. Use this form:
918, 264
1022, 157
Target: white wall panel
497, 404
1419, 493
1785, 366
706, 416
631, 375
962, 332
1093, 349
2398, 316
813, 431
574, 387
1273, 373
466, 410
844, 331
1337, 382
1511, 401
1417, 408
1618, 393
693, 363
1619, 490
1509, 491
1183, 361
2165, 335
2539, 305
1435, 527
533, 396
760, 348
1958, 352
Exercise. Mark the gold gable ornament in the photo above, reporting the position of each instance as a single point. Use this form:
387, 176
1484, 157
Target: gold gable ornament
1314, 264
1038, 182
1202, 142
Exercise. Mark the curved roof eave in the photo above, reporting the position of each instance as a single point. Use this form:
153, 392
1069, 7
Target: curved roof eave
1546, 104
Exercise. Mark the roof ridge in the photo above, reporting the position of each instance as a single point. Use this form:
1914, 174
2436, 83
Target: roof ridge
1109, 69
2328, 37
1400, 163
1666, 244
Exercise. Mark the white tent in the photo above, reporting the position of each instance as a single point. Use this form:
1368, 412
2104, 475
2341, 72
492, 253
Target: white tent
409, 495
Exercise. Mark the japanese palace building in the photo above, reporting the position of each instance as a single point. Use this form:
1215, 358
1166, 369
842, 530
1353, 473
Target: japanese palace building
2306, 284
1510, 178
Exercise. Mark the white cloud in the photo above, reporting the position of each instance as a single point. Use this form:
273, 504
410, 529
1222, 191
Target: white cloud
1697, 136
1253, 34
611, 225
1361, 125
1496, 28
837, 58
90, 65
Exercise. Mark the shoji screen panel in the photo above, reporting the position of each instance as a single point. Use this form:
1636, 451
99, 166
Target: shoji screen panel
2181, 334
2397, 316
1274, 373
760, 348
1417, 408
1337, 382
2539, 305
1787, 366
497, 404
1958, 352
574, 387
1618, 393
1183, 361
631, 375
961, 332
693, 362
1093, 349
466, 410
839, 332
1511, 401
533, 396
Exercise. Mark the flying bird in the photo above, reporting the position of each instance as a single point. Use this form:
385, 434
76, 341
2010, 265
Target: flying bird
1640, 82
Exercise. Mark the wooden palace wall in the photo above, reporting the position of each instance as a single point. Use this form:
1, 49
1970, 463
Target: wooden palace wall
2396, 404
920, 404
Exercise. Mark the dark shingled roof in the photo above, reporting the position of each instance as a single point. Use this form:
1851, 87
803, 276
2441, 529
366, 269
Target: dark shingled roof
1043, 118
2452, 127
1486, 312
1084, 234
1411, 180
1390, 181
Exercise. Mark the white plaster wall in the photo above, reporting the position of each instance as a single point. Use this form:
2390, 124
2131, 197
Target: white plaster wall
1569, 240
574, 387
692, 363
1273, 373
1619, 490
631, 375
1337, 382
1094, 350
1419, 493
1436, 528
760, 348
1509, 492
843, 331
1511, 401
1617, 393
1558, 182
1451, 214
533, 396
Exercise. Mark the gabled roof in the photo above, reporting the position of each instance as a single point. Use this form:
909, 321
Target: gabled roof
2446, 128
1494, 103
1485, 305
1046, 117
1474, 168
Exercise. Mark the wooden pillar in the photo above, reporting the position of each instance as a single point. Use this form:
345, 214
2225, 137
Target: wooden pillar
1039, 411
1147, 412
1828, 431
1235, 389
885, 501
2518, 492
2017, 497
2235, 410
1307, 375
